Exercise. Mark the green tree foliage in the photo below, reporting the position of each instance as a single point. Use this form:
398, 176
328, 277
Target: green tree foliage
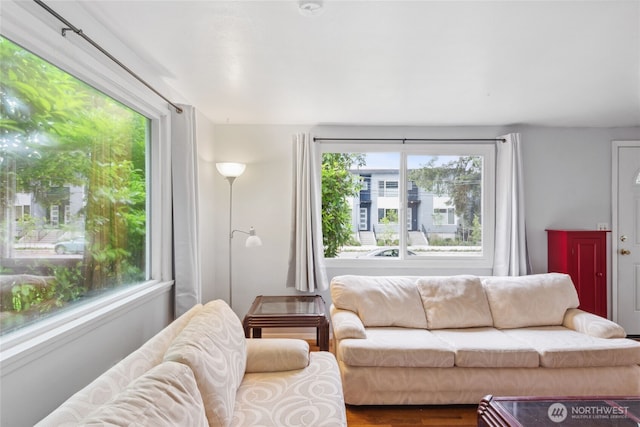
55, 131
389, 223
459, 179
338, 184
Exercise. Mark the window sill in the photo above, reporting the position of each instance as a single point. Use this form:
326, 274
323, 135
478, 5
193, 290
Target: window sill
461, 263
21, 347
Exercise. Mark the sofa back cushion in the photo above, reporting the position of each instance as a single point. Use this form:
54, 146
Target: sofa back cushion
454, 302
534, 300
119, 376
167, 395
380, 300
214, 347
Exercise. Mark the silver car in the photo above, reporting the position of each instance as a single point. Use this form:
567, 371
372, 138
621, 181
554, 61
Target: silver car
73, 246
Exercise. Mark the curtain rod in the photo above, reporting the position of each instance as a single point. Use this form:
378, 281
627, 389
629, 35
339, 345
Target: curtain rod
403, 140
71, 27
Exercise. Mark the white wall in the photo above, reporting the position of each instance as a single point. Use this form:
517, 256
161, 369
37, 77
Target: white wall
567, 173
261, 198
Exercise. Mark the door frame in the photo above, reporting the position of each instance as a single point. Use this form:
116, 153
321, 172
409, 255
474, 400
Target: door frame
615, 145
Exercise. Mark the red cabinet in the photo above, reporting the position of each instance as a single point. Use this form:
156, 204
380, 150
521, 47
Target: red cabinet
583, 255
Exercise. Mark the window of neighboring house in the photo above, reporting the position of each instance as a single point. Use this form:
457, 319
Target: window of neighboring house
390, 215
74, 176
388, 188
445, 216
443, 193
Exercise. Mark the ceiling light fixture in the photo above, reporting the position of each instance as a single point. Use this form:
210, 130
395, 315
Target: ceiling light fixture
310, 7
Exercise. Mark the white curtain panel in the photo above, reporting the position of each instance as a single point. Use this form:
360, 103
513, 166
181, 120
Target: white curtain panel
184, 179
306, 263
510, 256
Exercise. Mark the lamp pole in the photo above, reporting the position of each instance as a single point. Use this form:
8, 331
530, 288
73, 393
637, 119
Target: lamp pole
230, 179
231, 171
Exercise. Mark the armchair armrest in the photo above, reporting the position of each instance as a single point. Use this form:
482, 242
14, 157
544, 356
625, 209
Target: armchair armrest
591, 324
346, 324
276, 354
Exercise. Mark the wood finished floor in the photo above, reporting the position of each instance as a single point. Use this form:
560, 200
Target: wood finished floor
407, 416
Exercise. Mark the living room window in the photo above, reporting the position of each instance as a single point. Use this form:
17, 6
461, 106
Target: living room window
74, 191
443, 193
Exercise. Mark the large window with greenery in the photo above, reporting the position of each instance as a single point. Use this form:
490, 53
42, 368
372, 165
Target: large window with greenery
73, 192
428, 202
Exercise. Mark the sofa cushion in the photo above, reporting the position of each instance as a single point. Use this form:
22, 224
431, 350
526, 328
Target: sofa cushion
214, 347
167, 395
380, 300
276, 354
488, 348
560, 347
399, 347
454, 302
534, 300
305, 397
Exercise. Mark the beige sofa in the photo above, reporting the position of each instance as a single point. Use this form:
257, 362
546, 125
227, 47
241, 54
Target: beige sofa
453, 340
202, 371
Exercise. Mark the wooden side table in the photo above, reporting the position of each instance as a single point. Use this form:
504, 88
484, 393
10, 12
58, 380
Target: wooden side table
287, 312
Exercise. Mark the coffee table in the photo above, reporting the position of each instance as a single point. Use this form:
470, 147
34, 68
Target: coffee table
560, 411
286, 312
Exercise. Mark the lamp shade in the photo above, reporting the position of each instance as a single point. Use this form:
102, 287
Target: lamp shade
253, 240
230, 170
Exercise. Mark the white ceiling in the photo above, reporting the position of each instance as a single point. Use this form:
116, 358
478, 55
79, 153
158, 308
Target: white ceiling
551, 63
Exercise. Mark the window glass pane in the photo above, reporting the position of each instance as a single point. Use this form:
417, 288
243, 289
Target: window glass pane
347, 179
442, 201
73, 190
447, 207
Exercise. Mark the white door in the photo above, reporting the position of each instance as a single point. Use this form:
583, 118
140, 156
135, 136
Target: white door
626, 235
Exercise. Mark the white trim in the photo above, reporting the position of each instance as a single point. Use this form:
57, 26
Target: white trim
615, 146
29, 343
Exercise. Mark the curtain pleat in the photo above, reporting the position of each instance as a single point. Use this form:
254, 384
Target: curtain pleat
306, 263
510, 257
184, 184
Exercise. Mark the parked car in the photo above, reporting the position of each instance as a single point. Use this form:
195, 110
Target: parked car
73, 246
386, 252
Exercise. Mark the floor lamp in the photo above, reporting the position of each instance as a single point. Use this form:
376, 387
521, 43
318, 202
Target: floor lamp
231, 171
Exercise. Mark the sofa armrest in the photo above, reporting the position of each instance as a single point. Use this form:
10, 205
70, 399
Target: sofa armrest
276, 354
346, 324
591, 324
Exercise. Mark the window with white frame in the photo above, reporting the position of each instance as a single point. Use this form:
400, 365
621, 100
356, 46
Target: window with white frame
442, 192
387, 188
79, 157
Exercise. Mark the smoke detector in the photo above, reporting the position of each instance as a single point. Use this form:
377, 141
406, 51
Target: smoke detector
310, 7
